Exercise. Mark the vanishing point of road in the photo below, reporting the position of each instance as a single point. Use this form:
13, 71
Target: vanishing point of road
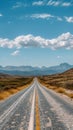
36, 105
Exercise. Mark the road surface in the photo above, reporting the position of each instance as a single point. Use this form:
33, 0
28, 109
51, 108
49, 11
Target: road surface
18, 112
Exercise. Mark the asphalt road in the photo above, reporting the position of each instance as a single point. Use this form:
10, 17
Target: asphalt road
18, 111
15, 112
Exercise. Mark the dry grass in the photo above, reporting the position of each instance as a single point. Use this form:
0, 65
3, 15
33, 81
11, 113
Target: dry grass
69, 94
64, 80
60, 83
5, 94
11, 85
60, 90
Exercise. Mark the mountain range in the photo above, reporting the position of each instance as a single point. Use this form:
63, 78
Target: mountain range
35, 71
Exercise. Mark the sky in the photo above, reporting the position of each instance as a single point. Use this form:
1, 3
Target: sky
36, 32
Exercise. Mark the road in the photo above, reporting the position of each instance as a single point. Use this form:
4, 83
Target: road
18, 111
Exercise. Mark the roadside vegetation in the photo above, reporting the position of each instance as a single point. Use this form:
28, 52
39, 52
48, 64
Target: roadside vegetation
61, 83
12, 84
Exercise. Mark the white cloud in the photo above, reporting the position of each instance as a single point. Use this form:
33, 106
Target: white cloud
63, 41
38, 3
45, 16
59, 18
66, 4
59, 57
53, 3
1, 15
6, 43
19, 5
43, 3
69, 19
59, 3
15, 53
42, 16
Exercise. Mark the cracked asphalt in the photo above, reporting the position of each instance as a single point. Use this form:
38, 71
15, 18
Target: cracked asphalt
18, 111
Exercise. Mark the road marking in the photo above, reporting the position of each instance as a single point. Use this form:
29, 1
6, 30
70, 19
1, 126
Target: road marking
49, 123
13, 106
65, 117
31, 121
37, 113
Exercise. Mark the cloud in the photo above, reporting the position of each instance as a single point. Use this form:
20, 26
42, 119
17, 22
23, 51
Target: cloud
59, 57
45, 16
59, 18
38, 3
41, 16
15, 53
58, 3
6, 43
1, 15
19, 5
69, 19
53, 3
65, 40
50, 3
43, 3
66, 4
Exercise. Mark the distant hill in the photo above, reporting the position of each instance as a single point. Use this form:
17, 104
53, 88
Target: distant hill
35, 71
5, 76
64, 80
68, 72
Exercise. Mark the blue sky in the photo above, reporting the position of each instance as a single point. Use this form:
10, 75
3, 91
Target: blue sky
36, 32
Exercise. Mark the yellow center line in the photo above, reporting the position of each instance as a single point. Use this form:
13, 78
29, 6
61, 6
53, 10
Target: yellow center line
37, 114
